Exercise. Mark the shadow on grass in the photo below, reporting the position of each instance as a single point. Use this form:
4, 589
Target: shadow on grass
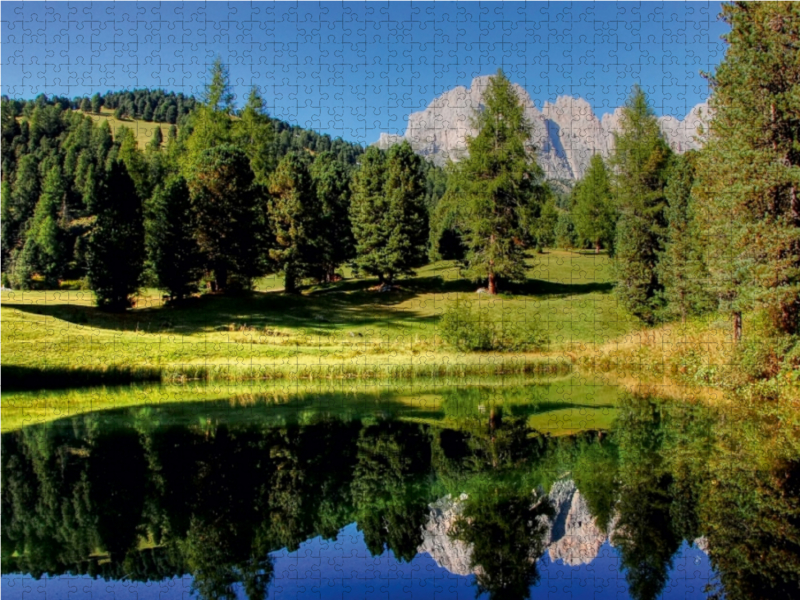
333, 307
20, 378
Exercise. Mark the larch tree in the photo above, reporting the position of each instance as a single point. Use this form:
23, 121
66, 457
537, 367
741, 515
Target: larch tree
748, 185
681, 267
503, 187
593, 212
639, 164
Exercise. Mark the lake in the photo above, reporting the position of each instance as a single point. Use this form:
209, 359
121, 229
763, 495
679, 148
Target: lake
510, 488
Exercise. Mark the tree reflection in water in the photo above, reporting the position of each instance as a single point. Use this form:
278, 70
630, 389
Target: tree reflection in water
147, 501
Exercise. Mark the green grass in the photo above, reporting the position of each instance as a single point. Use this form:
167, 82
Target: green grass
344, 330
556, 406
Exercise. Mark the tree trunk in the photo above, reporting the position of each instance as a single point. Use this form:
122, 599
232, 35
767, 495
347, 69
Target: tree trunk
289, 281
492, 284
221, 276
737, 327
597, 247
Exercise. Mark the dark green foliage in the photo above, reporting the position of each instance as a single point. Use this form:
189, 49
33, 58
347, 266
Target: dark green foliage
157, 139
498, 190
295, 216
332, 182
468, 330
86, 105
254, 132
544, 228
592, 208
228, 210
97, 103
504, 529
115, 254
681, 267
387, 213
639, 164
43, 252
748, 189
565, 232
172, 250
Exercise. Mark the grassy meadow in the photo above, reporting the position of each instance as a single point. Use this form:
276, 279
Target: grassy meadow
341, 330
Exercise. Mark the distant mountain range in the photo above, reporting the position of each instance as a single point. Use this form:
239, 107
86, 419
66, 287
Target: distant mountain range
566, 133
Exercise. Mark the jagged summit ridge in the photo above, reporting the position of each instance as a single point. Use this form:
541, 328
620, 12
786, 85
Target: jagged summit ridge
566, 133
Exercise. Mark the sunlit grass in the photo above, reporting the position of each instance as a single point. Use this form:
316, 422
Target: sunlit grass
344, 330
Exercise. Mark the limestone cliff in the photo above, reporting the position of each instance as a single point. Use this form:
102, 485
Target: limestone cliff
565, 133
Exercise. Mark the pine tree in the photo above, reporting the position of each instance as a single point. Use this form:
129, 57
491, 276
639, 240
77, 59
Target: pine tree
681, 267
294, 213
593, 211
225, 205
503, 187
86, 105
332, 183
748, 183
387, 213
172, 250
115, 254
565, 232
639, 164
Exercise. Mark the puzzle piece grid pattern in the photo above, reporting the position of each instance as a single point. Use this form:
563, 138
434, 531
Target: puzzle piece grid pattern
324, 74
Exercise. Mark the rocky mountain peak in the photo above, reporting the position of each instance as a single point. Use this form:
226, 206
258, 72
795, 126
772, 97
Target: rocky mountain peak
565, 133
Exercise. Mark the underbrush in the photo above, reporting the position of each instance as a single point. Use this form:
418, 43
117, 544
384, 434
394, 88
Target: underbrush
477, 330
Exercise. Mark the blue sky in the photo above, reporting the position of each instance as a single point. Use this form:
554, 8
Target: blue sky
357, 69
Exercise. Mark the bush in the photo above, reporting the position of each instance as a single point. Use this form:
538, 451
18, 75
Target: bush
476, 330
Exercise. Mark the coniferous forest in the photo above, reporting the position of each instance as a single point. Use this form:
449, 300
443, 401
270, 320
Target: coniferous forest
229, 195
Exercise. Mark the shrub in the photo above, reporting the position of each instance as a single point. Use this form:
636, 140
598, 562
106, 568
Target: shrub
466, 330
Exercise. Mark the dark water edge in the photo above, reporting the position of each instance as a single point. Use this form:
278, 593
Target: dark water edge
257, 499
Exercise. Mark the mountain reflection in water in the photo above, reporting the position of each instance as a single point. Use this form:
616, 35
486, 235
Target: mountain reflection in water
382, 506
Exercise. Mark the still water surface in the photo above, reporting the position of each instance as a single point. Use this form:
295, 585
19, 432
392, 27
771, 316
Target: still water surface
566, 488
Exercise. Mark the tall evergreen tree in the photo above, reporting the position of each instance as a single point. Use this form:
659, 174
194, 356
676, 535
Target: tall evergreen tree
639, 164
254, 133
332, 182
388, 213
294, 213
156, 140
681, 267
502, 188
97, 102
115, 254
86, 105
593, 211
43, 252
172, 250
748, 182
225, 205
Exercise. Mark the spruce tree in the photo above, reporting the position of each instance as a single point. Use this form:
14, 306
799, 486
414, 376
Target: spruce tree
681, 267
294, 214
226, 209
43, 252
332, 182
388, 214
593, 211
639, 164
503, 188
748, 187
115, 253
86, 105
172, 250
